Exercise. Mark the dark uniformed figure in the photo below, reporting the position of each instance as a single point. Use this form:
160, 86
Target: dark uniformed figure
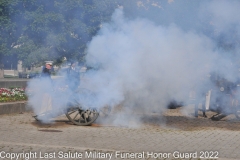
46, 72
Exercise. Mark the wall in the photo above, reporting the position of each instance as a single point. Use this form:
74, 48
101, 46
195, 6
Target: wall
6, 83
11, 72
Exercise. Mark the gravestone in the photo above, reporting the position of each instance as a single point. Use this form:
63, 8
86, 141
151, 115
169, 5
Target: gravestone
1, 71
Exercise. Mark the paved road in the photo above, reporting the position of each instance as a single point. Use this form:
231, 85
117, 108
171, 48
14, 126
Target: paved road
151, 136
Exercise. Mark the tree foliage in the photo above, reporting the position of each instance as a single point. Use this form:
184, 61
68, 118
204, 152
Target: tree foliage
37, 30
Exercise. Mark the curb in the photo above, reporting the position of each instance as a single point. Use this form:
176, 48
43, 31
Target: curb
14, 107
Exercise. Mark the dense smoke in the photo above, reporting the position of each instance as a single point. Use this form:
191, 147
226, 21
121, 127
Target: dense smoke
144, 65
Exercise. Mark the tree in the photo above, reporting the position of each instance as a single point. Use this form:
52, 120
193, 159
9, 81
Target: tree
8, 26
35, 30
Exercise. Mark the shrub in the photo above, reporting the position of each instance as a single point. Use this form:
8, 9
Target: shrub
12, 94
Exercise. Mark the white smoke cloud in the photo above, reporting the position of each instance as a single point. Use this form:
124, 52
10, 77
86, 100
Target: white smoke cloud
222, 14
144, 65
